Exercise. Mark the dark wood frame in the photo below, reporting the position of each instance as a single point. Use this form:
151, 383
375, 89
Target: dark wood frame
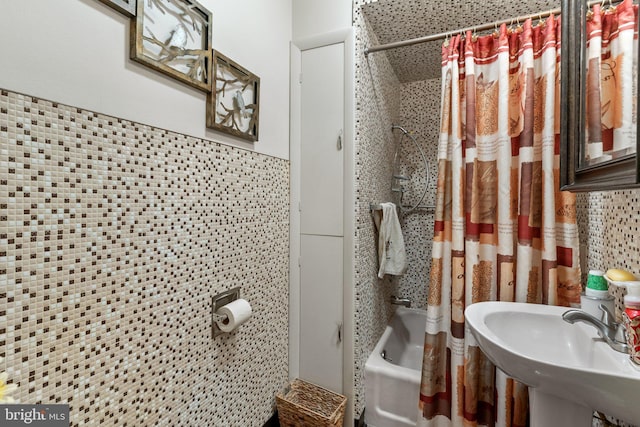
126, 7
614, 174
136, 51
251, 79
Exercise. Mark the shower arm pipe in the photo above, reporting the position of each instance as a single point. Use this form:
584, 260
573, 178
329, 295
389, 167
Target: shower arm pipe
426, 167
474, 29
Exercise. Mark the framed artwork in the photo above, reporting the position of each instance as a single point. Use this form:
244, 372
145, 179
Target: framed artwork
126, 7
234, 104
174, 37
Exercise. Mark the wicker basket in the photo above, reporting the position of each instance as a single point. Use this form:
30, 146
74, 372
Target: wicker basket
309, 405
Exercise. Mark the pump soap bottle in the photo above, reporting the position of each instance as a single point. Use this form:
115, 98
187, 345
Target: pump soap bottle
631, 318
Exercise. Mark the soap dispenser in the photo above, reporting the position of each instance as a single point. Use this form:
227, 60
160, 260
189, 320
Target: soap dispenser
631, 318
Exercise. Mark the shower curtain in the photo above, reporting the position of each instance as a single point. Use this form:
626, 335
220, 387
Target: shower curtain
503, 231
612, 69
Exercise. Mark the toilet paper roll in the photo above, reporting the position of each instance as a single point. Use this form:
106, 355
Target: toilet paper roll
237, 312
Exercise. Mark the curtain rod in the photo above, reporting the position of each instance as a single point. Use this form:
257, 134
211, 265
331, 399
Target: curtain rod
448, 34
481, 27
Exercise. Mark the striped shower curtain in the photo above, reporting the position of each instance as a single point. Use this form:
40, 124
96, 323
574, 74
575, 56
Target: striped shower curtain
503, 231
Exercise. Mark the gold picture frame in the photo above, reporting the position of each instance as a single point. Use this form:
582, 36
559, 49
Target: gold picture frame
233, 106
126, 7
174, 38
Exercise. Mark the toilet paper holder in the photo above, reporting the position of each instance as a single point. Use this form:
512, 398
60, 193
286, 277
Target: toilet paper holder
218, 301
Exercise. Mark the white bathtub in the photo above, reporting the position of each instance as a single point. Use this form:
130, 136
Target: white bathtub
392, 383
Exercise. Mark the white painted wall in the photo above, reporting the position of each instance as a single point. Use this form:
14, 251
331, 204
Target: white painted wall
77, 52
313, 17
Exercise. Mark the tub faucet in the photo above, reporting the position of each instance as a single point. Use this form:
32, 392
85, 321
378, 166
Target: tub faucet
400, 301
608, 329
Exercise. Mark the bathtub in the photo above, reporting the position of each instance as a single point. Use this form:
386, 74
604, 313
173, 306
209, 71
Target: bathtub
392, 382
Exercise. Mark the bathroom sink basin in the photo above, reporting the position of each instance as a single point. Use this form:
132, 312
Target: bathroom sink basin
569, 369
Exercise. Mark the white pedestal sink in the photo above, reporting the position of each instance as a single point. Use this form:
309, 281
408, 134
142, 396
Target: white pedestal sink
570, 371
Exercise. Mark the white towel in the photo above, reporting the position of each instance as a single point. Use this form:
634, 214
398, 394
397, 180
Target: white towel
391, 253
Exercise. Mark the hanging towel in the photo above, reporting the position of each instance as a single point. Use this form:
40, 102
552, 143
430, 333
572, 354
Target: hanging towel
391, 253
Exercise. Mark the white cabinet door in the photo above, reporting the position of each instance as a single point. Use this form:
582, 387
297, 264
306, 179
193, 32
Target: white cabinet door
322, 118
321, 216
321, 311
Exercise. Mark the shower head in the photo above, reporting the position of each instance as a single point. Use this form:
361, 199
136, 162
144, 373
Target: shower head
399, 178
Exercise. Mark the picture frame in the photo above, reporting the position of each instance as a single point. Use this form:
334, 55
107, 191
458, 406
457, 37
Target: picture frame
233, 106
125, 7
174, 38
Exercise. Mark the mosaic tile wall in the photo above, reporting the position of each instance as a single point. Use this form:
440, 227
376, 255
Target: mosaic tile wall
609, 225
419, 114
115, 236
377, 107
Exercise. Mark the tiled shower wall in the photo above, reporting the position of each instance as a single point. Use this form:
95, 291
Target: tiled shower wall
609, 226
420, 115
114, 237
377, 107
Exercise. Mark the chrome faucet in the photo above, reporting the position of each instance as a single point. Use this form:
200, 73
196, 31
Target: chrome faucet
400, 301
608, 329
